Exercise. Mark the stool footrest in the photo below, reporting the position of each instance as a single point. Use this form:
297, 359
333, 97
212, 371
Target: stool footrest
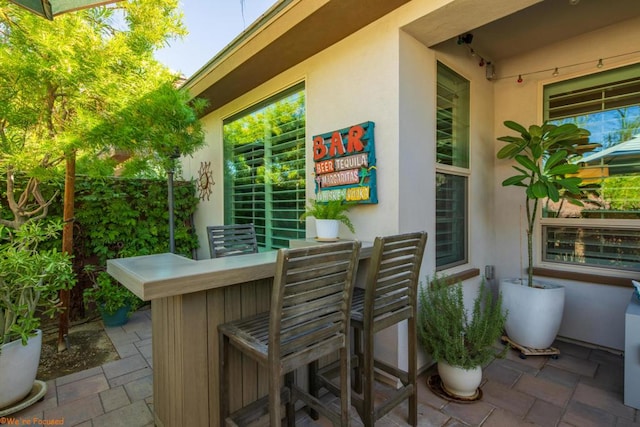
257, 412
386, 407
315, 403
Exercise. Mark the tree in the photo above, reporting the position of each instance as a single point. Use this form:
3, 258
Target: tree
87, 84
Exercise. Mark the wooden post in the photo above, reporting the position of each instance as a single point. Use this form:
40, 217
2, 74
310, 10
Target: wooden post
67, 243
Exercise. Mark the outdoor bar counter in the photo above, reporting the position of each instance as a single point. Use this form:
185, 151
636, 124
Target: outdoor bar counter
189, 299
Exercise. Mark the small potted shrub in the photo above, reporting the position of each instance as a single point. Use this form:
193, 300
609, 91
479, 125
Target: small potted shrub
32, 273
460, 342
114, 302
328, 217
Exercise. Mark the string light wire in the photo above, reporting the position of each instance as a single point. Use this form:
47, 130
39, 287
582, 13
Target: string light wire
599, 64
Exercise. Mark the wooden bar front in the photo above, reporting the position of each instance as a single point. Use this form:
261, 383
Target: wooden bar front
189, 299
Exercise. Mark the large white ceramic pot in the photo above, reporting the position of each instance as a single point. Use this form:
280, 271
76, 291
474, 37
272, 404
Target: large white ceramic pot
458, 382
18, 369
327, 229
535, 312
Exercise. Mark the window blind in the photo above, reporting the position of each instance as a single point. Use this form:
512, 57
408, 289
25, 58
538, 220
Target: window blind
602, 233
617, 248
265, 169
451, 220
603, 91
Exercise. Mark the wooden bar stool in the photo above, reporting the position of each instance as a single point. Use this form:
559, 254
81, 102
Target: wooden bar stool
308, 319
229, 240
389, 297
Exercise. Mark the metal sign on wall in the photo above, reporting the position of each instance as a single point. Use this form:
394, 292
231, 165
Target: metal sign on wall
345, 164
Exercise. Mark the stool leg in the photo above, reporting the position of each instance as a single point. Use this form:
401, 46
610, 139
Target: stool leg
413, 371
223, 364
291, 403
314, 388
345, 385
275, 417
368, 394
357, 348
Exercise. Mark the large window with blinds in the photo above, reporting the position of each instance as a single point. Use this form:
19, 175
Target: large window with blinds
605, 232
264, 157
452, 168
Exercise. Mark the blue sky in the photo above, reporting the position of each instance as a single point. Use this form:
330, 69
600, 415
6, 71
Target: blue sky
212, 24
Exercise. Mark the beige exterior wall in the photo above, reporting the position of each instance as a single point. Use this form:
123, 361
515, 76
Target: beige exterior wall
383, 74
379, 74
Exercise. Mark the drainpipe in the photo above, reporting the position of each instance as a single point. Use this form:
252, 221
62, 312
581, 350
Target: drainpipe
172, 240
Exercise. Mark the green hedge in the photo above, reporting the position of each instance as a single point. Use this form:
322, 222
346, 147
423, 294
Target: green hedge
118, 218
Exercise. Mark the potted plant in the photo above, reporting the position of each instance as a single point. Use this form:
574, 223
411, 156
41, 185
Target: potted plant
545, 170
114, 302
31, 275
328, 217
460, 342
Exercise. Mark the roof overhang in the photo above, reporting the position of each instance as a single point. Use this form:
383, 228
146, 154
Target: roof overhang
287, 34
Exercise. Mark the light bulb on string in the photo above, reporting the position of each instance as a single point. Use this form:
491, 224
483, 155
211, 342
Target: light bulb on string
555, 72
519, 78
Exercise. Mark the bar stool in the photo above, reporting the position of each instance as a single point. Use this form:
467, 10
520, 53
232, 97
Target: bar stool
389, 297
229, 240
308, 319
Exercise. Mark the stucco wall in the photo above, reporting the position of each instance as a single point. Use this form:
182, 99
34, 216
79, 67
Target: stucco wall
593, 313
384, 75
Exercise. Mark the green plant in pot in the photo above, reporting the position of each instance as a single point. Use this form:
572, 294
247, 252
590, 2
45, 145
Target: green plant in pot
32, 273
546, 169
460, 342
328, 215
114, 301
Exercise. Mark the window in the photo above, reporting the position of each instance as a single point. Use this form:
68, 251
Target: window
605, 232
264, 157
452, 156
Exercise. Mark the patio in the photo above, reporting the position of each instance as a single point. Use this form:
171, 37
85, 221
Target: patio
584, 387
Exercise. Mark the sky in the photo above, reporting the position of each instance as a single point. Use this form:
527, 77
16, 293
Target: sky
212, 24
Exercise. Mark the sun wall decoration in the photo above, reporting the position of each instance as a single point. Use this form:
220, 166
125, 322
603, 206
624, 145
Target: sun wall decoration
205, 180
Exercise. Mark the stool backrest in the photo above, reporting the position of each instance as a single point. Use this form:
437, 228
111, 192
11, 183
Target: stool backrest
230, 240
310, 302
391, 285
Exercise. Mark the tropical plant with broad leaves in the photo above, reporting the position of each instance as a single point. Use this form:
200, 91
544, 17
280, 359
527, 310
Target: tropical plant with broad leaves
546, 167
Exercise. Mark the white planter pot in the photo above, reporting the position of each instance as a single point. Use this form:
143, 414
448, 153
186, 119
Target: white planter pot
18, 369
327, 229
460, 382
535, 313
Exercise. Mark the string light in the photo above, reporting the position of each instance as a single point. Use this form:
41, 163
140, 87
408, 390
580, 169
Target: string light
465, 40
556, 70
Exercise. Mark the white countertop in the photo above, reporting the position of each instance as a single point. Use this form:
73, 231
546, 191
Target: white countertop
164, 275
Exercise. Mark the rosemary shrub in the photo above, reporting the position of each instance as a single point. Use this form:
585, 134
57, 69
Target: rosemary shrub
449, 334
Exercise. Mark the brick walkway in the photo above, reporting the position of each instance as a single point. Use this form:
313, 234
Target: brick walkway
583, 388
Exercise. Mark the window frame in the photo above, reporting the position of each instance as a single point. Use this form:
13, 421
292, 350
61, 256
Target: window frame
452, 169
267, 240
578, 223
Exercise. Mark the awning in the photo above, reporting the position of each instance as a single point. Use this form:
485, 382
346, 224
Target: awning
50, 8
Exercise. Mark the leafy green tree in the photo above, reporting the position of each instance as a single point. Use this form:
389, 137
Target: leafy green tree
87, 85
88, 82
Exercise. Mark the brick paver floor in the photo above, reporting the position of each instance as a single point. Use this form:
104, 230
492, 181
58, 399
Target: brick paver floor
583, 387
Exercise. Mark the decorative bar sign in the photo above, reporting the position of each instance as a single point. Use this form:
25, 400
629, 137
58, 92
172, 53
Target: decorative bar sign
345, 165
